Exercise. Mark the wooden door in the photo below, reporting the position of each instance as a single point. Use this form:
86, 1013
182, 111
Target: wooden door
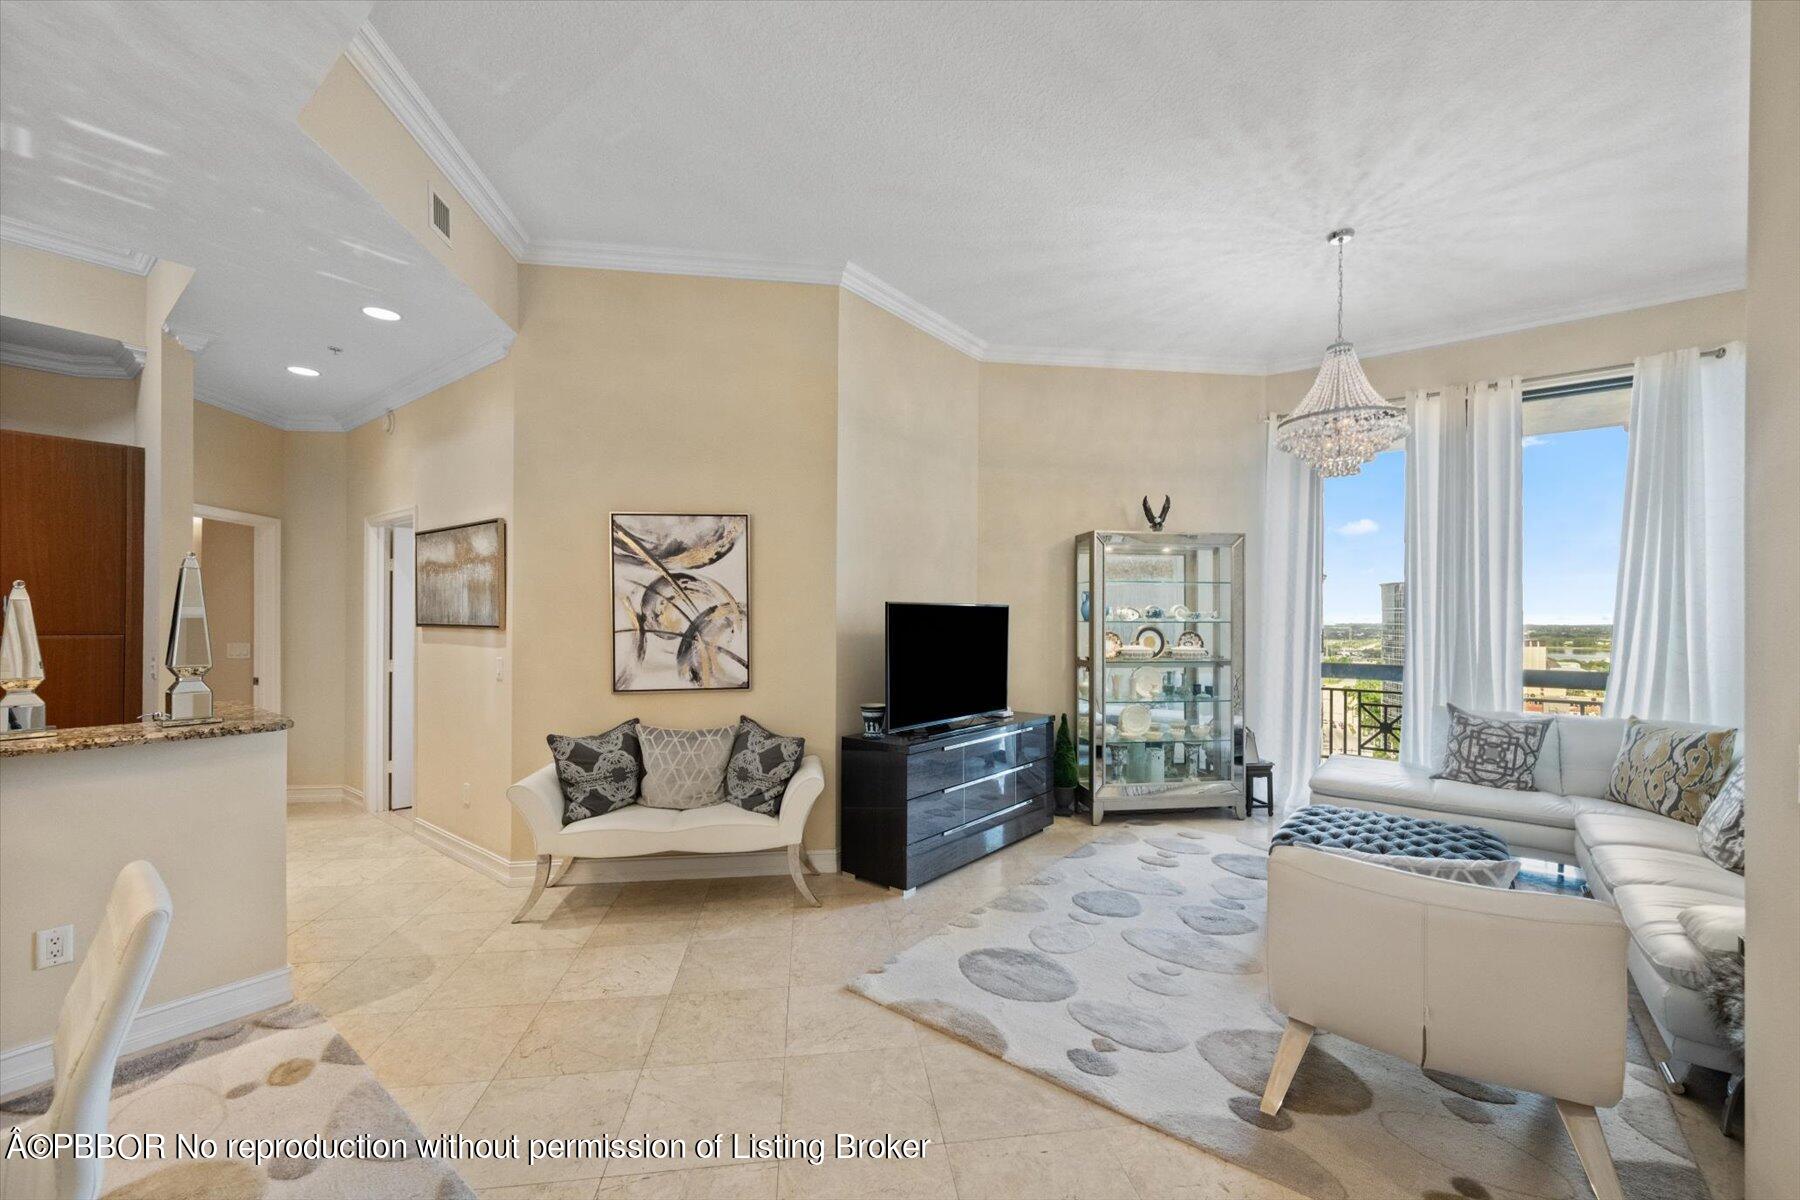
72, 527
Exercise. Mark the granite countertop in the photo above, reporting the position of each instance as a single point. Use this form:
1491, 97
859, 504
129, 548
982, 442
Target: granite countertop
235, 719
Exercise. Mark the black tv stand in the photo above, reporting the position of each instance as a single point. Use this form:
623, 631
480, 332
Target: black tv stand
917, 805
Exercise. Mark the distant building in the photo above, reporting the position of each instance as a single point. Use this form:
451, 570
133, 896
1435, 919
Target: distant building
1537, 656
1393, 628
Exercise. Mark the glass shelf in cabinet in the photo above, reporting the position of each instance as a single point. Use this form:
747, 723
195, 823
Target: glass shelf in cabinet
1168, 662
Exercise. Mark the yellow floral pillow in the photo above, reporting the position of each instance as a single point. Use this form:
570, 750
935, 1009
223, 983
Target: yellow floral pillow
1670, 769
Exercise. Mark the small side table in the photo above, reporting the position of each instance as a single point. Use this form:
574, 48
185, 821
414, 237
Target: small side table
1255, 769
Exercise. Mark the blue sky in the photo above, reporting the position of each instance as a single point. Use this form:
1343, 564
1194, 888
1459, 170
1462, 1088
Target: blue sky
1574, 498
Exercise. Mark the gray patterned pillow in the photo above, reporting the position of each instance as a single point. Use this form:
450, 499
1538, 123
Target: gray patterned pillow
761, 765
598, 773
1674, 770
685, 768
1492, 752
1722, 828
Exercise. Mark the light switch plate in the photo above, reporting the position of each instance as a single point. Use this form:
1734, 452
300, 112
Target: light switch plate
237, 649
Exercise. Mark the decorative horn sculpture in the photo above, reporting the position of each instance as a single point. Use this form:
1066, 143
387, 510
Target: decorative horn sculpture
1156, 519
22, 712
189, 700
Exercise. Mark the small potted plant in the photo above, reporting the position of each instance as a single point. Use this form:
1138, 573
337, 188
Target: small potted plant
1063, 766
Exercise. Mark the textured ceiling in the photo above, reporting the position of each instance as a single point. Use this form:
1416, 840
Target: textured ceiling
171, 130
1145, 182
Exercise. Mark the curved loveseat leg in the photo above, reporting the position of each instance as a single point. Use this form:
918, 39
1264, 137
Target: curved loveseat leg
537, 886
557, 875
796, 857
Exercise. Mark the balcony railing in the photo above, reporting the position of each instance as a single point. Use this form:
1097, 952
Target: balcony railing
1365, 720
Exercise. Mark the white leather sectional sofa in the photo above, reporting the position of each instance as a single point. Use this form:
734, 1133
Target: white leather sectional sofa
1648, 866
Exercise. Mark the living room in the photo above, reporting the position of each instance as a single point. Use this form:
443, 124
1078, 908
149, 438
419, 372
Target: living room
775, 571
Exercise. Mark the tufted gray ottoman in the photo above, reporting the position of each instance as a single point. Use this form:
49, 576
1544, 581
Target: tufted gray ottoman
1466, 853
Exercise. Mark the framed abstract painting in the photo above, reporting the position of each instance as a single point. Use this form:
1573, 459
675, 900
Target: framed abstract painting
681, 601
460, 575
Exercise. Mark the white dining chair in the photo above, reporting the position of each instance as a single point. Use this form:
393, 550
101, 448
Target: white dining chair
96, 1015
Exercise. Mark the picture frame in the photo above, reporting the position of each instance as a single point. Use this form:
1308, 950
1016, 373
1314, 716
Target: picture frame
459, 576
680, 601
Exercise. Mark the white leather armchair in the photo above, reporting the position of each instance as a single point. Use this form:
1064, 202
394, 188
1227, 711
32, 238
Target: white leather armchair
1522, 989
635, 830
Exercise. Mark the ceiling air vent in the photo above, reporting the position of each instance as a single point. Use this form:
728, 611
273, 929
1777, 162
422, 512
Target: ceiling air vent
440, 215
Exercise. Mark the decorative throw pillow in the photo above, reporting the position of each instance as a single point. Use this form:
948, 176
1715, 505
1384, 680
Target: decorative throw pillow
598, 773
1674, 770
1722, 828
1493, 752
761, 765
685, 768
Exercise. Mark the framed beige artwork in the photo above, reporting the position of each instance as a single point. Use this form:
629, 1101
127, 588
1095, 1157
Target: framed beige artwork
461, 575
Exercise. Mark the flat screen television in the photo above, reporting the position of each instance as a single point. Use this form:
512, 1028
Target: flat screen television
945, 662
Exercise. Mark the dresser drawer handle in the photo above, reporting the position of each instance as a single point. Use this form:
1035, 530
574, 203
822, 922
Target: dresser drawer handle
982, 741
989, 778
989, 816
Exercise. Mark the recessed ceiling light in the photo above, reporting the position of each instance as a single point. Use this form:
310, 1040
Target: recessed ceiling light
308, 372
381, 314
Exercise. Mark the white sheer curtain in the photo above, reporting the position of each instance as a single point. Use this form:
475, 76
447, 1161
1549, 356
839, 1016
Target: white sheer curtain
1465, 623
1678, 619
1284, 692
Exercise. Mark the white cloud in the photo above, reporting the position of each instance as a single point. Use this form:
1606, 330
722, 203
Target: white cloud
1533, 440
1359, 527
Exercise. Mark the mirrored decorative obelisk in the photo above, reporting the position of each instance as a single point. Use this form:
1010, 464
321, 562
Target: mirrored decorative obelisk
189, 700
22, 712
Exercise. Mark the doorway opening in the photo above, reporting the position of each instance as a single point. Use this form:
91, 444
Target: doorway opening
240, 557
389, 659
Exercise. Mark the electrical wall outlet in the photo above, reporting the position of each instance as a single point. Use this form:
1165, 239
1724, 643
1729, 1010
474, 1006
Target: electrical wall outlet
465, 793
54, 947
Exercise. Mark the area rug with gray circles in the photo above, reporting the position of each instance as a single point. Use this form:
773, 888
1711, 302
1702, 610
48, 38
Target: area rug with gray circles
1132, 972
284, 1075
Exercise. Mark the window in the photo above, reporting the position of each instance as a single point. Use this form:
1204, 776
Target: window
1365, 608
1574, 496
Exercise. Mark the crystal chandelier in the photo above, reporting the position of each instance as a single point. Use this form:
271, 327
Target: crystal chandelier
1343, 422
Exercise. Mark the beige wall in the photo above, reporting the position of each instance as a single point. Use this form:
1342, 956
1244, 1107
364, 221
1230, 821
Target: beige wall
69, 294
165, 429
1547, 350
1773, 560
95, 410
907, 500
656, 393
1069, 449
238, 463
350, 123
449, 458
208, 813
227, 561
315, 586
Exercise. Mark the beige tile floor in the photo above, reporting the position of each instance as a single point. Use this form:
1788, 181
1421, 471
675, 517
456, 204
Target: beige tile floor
689, 1008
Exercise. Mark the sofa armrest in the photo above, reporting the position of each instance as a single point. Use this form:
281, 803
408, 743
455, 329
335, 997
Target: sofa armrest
539, 799
797, 801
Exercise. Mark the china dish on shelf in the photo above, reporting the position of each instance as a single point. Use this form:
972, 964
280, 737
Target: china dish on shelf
1153, 612
1114, 643
1181, 612
1146, 683
1127, 614
1134, 721
1151, 637
1191, 641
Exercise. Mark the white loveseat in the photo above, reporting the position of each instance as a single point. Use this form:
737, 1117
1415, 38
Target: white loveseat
635, 830
1648, 866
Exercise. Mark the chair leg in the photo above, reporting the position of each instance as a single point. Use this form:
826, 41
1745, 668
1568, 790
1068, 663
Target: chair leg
1674, 1075
795, 857
1294, 1040
1583, 1124
556, 875
537, 886
1734, 1095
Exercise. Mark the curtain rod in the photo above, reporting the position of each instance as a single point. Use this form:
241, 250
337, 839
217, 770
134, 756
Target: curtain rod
1717, 352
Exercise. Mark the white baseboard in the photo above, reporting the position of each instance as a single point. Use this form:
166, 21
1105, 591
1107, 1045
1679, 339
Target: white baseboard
469, 854
323, 793
29, 1065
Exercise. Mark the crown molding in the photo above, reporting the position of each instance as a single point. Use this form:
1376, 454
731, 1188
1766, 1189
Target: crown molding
1696, 288
124, 363
667, 260
37, 237
428, 380
194, 341
266, 416
376, 63
1121, 360
859, 282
